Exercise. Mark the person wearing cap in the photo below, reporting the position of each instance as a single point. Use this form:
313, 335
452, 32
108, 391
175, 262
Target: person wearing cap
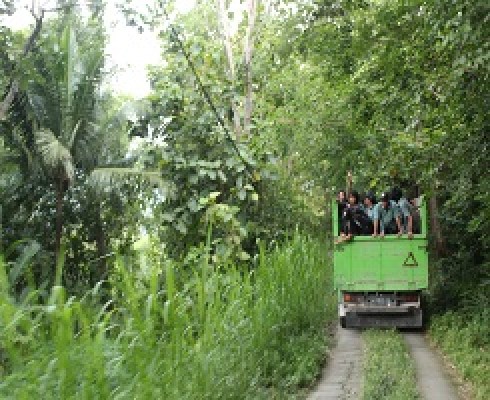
405, 208
387, 217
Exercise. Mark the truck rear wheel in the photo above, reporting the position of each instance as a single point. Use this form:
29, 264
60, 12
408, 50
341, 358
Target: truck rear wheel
342, 322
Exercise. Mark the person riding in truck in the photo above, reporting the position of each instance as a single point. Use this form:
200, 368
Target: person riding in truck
387, 217
354, 219
405, 210
369, 205
415, 213
341, 204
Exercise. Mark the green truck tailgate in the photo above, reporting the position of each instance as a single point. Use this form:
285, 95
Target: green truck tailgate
391, 263
388, 264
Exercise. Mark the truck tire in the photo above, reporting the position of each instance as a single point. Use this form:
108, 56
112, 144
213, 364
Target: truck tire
342, 322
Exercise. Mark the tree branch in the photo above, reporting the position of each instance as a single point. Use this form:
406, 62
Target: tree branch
205, 93
14, 84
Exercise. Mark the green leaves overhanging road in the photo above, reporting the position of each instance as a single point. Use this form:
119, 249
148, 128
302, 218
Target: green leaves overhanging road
395, 91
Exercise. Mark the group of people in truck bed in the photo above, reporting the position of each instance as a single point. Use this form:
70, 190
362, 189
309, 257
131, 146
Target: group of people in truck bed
392, 214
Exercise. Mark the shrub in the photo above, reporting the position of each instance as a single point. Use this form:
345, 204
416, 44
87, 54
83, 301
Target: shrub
465, 339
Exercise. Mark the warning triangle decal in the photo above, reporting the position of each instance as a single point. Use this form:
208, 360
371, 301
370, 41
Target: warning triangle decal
410, 261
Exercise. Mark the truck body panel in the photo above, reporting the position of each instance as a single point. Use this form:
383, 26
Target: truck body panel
388, 264
379, 281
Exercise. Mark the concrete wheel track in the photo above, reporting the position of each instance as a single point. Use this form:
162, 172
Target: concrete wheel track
342, 377
432, 381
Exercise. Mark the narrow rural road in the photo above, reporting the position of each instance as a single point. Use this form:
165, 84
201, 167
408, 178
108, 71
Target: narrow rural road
342, 378
432, 381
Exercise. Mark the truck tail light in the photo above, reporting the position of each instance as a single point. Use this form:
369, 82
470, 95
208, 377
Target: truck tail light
410, 297
349, 298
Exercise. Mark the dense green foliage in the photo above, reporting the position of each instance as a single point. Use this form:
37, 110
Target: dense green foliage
465, 339
174, 334
298, 93
407, 98
388, 369
59, 128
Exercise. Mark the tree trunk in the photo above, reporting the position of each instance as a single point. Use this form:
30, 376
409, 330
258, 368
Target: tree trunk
436, 226
100, 241
59, 218
14, 84
248, 51
228, 48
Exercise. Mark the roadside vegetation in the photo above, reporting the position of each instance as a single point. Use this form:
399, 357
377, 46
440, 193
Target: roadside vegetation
389, 373
253, 118
465, 339
214, 332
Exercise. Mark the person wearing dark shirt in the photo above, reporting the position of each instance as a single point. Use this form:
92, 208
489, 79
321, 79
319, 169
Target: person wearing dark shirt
354, 219
415, 213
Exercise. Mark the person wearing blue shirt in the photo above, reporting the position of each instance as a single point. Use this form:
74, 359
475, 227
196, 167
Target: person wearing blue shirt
405, 210
369, 205
387, 217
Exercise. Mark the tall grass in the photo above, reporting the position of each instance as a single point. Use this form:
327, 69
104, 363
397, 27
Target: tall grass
464, 337
216, 333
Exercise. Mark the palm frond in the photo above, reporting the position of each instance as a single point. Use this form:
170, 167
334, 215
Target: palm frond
30, 249
8, 159
21, 144
108, 176
74, 134
54, 154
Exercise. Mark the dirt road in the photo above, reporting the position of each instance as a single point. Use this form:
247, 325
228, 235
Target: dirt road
342, 378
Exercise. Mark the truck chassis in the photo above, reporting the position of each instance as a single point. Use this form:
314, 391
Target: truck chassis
380, 310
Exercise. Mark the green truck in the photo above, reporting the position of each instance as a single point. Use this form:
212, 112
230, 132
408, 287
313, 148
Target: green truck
380, 281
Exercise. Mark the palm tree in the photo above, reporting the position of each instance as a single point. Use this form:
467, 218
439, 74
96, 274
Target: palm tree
58, 123
63, 99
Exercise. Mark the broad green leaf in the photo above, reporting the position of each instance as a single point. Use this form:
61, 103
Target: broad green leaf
181, 227
222, 176
214, 195
239, 182
193, 205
